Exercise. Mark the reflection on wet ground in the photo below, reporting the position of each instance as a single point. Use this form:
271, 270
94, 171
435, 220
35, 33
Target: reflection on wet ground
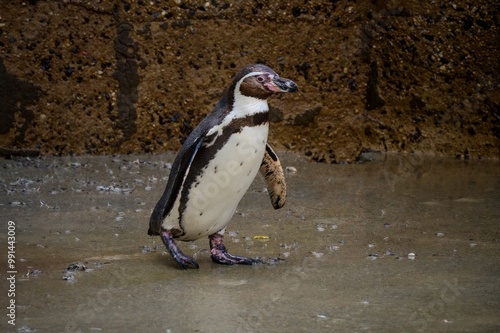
402, 243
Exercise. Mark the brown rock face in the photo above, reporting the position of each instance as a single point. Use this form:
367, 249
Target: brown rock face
137, 76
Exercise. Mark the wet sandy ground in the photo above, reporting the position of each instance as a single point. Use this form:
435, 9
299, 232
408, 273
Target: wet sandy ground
402, 243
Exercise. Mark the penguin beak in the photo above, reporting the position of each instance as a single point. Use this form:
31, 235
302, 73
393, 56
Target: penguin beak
279, 84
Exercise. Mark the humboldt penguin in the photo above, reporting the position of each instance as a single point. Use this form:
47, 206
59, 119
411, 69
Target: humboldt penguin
216, 165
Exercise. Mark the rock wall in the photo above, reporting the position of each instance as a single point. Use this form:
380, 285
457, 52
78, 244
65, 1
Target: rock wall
94, 77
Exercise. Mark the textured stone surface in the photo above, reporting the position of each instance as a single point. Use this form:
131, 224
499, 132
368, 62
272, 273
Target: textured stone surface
137, 76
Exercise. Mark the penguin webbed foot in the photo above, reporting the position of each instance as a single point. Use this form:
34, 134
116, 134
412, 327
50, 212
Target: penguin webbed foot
219, 254
176, 253
225, 258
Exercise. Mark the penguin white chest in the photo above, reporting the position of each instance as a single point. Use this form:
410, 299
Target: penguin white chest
215, 194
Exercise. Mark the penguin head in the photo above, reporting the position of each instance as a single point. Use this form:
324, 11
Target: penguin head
260, 81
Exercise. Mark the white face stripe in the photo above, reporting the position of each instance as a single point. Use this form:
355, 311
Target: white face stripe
245, 105
237, 88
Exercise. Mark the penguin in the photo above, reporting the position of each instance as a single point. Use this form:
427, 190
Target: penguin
216, 165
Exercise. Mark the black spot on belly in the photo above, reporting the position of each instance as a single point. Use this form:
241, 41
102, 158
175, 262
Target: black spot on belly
241, 163
201, 213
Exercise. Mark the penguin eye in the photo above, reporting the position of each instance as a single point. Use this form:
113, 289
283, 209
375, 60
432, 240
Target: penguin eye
260, 79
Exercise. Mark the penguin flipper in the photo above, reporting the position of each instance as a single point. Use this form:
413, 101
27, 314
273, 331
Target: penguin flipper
273, 175
180, 168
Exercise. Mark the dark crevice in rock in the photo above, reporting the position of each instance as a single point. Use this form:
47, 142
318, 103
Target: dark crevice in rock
16, 95
373, 99
126, 53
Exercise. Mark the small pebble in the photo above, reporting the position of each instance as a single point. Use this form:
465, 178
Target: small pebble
146, 249
317, 254
439, 234
35, 272
76, 266
290, 169
411, 256
320, 228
